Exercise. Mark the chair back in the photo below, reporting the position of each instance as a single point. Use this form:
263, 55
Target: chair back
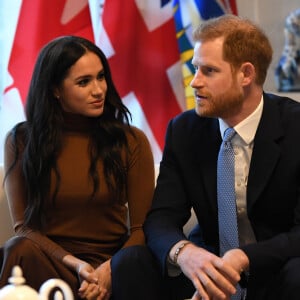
6, 229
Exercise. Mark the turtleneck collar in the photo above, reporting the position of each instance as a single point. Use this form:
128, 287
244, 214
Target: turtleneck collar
76, 122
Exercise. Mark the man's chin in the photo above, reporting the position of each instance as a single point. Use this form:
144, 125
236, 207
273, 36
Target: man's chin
203, 112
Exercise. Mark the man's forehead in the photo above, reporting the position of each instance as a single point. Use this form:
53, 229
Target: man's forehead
208, 50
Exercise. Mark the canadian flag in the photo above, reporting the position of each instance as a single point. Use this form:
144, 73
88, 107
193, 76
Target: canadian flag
38, 23
150, 50
139, 37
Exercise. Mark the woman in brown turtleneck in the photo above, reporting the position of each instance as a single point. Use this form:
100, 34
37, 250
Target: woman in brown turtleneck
72, 169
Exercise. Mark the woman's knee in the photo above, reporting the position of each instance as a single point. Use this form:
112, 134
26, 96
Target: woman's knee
19, 246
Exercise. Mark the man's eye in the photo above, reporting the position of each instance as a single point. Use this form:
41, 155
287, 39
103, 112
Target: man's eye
208, 70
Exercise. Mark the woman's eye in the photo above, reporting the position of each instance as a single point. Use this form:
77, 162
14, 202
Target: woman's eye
83, 82
101, 76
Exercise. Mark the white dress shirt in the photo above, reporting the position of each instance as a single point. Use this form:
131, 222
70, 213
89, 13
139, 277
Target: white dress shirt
243, 143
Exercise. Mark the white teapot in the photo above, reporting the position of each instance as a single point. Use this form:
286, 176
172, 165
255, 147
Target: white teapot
17, 290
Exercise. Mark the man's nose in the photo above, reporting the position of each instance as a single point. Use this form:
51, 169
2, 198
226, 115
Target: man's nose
197, 80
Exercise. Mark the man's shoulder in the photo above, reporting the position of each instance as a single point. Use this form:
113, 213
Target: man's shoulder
283, 108
189, 123
283, 102
191, 118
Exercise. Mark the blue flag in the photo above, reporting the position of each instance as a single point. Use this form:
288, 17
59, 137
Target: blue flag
187, 15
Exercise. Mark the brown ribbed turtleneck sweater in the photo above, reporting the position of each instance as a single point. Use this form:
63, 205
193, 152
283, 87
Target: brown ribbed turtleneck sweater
78, 225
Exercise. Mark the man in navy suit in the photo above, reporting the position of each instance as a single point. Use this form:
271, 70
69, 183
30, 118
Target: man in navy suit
231, 58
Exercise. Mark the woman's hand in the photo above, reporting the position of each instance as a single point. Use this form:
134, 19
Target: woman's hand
89, 291
85, 272
89, 288
103, 273
101, 290
95, 283
82, 268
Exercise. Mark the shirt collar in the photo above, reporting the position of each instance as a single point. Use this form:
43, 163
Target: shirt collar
247, 128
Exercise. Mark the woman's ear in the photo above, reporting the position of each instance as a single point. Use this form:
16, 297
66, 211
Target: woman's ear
248, 73
56, 93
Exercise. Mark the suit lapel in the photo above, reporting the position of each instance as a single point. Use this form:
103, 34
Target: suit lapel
209, 140
266, 151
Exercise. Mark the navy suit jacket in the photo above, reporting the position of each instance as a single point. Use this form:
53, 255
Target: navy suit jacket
188, 179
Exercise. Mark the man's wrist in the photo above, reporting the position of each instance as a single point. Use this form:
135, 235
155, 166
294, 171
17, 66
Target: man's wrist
176, 249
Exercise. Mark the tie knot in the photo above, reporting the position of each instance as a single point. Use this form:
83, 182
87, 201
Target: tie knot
228, 134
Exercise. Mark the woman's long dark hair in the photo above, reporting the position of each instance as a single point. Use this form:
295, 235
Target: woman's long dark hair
42, 133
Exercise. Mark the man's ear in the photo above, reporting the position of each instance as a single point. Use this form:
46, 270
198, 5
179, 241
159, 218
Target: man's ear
248, 73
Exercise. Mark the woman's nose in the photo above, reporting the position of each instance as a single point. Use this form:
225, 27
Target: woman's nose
97, 88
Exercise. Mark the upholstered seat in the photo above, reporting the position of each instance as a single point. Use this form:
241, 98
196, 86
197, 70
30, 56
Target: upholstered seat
6, 229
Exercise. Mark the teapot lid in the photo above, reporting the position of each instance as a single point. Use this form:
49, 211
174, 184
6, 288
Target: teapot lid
17, 290
17, 276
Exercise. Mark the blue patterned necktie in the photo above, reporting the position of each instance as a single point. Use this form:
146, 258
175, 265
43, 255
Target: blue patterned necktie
228, 228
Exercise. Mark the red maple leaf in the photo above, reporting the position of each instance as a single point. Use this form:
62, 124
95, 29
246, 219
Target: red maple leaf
39, 22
